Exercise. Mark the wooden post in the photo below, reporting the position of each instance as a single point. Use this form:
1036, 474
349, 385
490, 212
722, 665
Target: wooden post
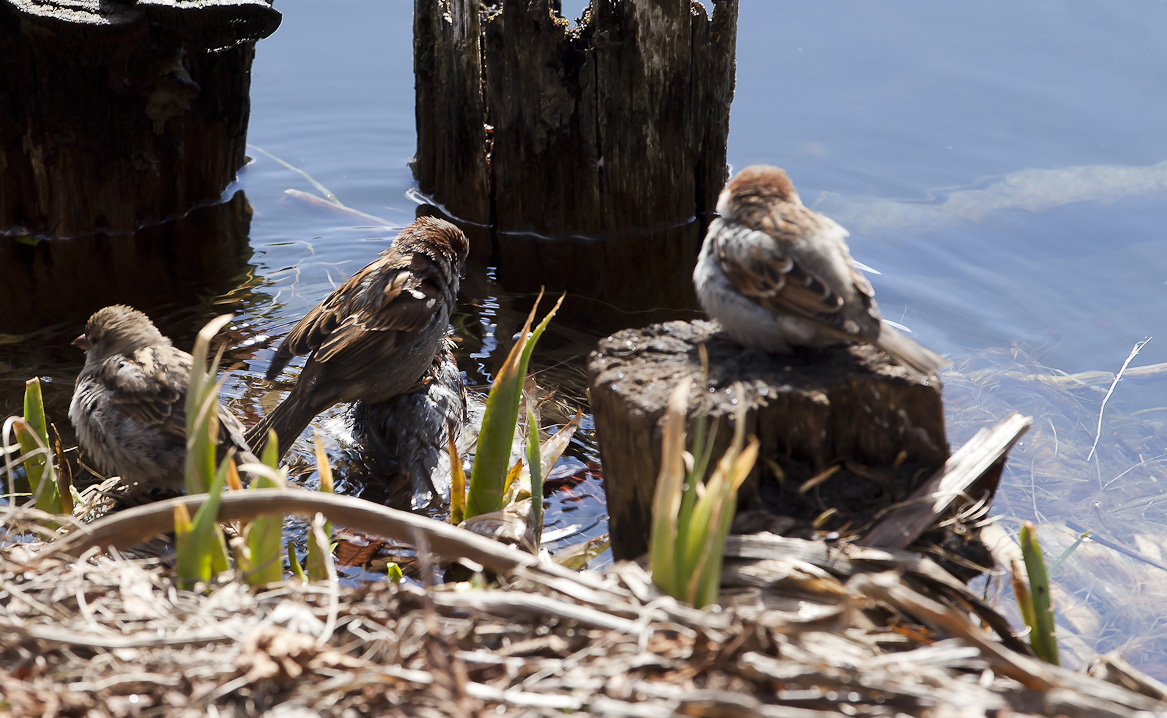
118, 115
595, 154
451, 163
115, 116
845, 409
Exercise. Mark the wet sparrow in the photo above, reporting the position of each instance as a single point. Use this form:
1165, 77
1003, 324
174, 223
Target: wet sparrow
778, 275
129, 407
376, 334
407, 435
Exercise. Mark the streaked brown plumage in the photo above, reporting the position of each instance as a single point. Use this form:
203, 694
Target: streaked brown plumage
374, 336
129, 405
777, 275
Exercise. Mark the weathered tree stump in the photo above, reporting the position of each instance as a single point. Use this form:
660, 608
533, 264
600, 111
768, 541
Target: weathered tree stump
118, 116
846, 409
591, 156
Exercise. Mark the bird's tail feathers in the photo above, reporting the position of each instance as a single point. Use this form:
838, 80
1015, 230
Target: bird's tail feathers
288, 420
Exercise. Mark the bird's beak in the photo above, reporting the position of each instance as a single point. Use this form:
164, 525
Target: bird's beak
81, 342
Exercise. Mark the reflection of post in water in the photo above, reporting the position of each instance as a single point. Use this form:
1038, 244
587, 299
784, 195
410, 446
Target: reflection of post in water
115, 117
589, 158
52, 280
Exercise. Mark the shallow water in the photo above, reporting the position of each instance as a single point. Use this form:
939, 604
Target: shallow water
995, 161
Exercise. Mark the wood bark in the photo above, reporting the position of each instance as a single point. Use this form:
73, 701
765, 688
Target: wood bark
599, 149
845, 409
116, 118
451, 163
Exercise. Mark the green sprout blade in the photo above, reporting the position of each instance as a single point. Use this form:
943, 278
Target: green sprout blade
714, 557
667, 573
271, 451
318, 565
488, 476
265, 534
201, 412
188, 561
689, 530
535, 466
294, 563
1043, 638
205, 552
33, 437
1024, 600
457, 479
320, 555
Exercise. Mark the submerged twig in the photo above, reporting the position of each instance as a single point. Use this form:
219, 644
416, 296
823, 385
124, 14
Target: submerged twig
1117, 377
311, 180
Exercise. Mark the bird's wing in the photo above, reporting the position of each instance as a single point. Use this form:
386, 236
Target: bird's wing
362, 322
376, 299
405, 305
763, 267
316, 325
149, 386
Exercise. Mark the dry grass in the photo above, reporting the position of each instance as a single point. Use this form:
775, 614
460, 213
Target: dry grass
809, 631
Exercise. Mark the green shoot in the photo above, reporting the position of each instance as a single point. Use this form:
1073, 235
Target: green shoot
457, 480
33, 435
202, 404
488, 476
320, 554
294, 563
1040, 616
535, 466
201, 553
202, 549
691, 520
264, 534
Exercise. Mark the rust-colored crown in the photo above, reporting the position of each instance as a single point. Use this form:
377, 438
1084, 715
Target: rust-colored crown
762, 181
435, 235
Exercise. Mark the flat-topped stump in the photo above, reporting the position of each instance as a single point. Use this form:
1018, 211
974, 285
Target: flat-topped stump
865, 431
121, 126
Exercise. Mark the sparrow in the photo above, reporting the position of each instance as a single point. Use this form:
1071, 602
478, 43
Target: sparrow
407, 436
372, 338
776, 275
129, 404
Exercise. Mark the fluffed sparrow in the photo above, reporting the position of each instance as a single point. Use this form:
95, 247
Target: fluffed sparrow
374, 337
129, 405
776, 274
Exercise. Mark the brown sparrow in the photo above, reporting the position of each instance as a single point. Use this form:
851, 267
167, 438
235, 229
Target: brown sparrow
778, 275
129, 407
374, 337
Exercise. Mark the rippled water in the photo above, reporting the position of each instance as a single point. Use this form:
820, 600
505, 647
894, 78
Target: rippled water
997, 162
